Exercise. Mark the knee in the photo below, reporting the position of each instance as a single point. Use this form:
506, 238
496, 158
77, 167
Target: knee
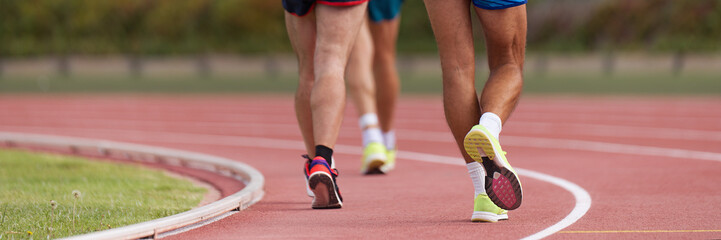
507, 56
507, 67
359, 85
459, 72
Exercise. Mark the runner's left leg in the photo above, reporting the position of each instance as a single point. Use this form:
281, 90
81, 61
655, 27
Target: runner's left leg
387, 82
362, 92
385, 72
451, 22
301, 32
337, 28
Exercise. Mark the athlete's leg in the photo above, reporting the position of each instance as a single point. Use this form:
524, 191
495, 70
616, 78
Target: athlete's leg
385, 35
362, 92
451, 22
301, 32
358, 73
505, 33
337, 28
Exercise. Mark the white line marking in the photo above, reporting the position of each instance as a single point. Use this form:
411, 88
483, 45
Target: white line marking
610, 148
583, 202
615, 131
536, 142
570, 144
525, 127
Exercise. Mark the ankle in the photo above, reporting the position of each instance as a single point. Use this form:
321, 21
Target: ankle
324, 152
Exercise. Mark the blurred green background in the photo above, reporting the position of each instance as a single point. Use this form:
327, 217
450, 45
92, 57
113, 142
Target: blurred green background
590, 46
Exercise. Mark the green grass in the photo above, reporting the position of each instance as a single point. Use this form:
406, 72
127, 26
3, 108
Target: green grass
112, 195
649, 83
151, 84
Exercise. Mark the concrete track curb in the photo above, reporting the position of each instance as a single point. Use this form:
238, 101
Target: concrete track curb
250, 194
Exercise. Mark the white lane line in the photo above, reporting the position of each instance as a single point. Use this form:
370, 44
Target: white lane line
627, 149
583, 199
583, 202
581, 145
618, 131
616, 117
525, 127
536, 142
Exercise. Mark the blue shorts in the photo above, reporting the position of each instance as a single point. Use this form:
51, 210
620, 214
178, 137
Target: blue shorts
380, 10
498, 4
303, 7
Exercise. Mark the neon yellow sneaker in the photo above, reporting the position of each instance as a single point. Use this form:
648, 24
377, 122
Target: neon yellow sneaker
374, 156
502, 183
485, 211
390, 161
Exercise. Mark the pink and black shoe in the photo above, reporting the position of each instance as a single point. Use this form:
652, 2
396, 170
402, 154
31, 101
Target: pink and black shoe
321, 184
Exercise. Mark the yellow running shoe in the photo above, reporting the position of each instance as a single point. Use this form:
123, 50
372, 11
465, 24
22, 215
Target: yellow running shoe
485, 211
502, 183
390, 161
374, 156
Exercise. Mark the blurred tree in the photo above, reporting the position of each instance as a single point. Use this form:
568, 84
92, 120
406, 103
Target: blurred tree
665, 25
29, 27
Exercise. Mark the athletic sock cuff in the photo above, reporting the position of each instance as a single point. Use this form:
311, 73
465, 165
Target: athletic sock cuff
492, 123
368, 119
389, 139
324, 152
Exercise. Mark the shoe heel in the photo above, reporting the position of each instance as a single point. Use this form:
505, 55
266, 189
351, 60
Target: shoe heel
324, 192
504, 189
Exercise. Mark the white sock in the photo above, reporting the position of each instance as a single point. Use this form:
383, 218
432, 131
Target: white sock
369, 125
492, 122
389, 138
478, 174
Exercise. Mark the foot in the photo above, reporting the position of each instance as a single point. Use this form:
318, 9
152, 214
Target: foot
374, 157
390, 161
322, 184
485, 211
306, 174
502, 183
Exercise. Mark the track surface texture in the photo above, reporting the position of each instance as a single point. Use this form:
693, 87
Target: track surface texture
651, 165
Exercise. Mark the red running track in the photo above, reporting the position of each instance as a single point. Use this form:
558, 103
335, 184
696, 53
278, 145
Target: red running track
652, 166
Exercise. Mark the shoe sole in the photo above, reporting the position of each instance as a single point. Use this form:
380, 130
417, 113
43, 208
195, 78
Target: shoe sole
374, 165
324, 192
307, 188
502, 184
387, 167
488, 217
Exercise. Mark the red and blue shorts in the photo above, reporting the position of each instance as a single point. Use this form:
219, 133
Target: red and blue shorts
303, 7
